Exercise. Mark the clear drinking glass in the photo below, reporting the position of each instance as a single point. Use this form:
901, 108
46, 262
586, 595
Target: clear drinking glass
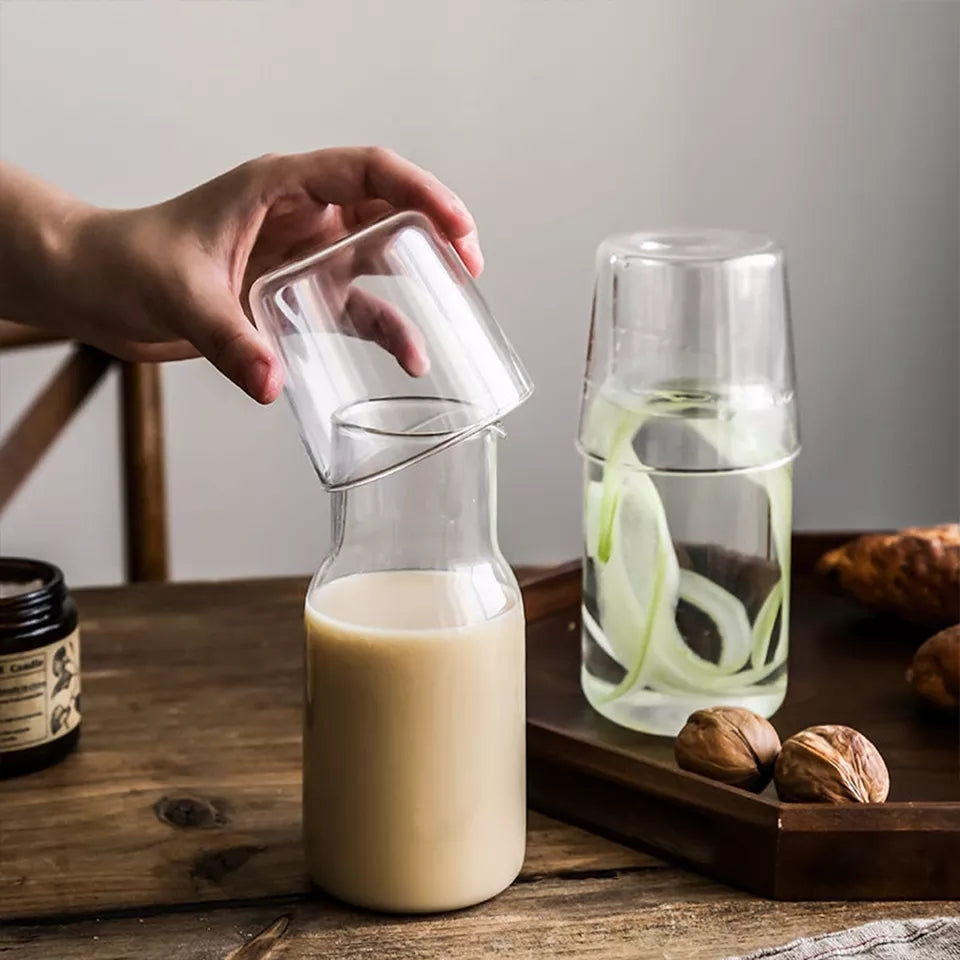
387, 313
688, 431
414, 777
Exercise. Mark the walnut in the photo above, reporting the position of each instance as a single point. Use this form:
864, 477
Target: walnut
729, 744
831, 764
914, 573
935, 672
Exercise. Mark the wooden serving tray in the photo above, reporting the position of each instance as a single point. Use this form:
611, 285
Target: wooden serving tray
847, 667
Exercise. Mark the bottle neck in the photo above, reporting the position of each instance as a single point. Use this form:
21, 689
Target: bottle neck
439, 513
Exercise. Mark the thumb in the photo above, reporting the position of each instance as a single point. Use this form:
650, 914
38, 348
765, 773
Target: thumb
224, 335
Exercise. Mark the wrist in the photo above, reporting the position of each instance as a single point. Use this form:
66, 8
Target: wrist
38, 242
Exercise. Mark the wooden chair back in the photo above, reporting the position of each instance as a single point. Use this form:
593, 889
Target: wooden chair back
141, 433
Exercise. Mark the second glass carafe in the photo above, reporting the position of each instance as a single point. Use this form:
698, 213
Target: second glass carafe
688, 431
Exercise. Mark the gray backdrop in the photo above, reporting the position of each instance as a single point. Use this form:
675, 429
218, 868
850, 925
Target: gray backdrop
832, 126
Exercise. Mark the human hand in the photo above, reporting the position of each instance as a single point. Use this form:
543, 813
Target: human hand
171, 281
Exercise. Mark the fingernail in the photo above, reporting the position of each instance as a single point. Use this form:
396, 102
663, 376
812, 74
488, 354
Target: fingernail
418, 364
471, 248
274, 383
261, 381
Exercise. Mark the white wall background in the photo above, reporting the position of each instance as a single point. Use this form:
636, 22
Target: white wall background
832, 126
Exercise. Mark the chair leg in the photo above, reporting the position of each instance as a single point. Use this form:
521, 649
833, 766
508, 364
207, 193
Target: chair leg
143, 466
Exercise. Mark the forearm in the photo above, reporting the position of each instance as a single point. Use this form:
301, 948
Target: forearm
38, 226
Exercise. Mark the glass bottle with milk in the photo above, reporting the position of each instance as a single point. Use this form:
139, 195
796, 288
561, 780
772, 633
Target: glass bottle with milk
413, 740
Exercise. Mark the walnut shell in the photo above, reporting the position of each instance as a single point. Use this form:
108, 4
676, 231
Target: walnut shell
729, 744
831, 764
935, 672
914, 573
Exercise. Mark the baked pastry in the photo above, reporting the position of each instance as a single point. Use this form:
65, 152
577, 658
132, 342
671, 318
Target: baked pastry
914, 573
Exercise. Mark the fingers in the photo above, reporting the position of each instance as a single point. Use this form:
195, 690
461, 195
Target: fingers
353, 175
371, 318
223, 334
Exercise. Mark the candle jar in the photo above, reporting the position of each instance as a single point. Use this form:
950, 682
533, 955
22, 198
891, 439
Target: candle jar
39, 667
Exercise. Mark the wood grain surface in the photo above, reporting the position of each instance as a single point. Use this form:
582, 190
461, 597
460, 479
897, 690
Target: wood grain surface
186, 785
655, 914
173, 831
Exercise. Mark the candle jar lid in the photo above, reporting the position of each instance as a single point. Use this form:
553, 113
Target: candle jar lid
384, 335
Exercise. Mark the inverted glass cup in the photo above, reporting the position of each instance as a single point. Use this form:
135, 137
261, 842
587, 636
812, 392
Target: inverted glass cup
382, 334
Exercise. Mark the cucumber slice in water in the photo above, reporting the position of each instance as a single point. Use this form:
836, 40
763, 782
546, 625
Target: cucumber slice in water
639, 579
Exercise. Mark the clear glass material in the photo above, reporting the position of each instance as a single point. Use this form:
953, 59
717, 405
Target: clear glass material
388, 312
414, 726
688, 430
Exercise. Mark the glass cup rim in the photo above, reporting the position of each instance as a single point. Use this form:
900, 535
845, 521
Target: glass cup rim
450, 437
678, 246
491, 423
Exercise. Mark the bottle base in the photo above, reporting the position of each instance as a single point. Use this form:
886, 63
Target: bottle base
664, 714
403, 903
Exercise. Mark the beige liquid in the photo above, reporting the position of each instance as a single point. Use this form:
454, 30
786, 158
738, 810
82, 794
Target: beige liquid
414, 794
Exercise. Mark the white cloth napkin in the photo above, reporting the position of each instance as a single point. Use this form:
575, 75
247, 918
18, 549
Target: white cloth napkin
935, 939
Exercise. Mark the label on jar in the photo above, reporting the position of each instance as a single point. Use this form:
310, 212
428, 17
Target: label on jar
39, 694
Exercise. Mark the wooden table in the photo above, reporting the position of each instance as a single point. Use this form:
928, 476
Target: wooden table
174, 830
